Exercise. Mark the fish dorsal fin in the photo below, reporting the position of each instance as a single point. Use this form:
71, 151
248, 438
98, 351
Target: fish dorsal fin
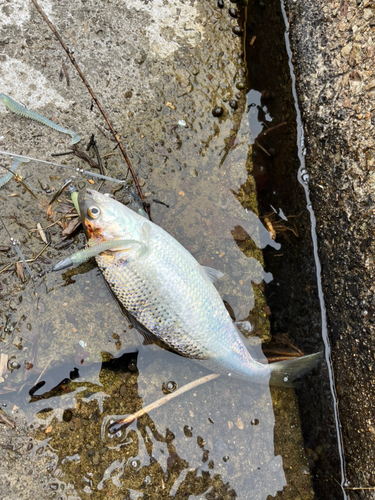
211, 273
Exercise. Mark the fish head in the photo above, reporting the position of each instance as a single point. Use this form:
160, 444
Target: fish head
103, 218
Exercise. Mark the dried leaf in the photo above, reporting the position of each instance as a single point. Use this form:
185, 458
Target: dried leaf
3, 363
239, 424
19, 270
49, 429
62, 208
71, 227
270, 228
43, 205
42, 233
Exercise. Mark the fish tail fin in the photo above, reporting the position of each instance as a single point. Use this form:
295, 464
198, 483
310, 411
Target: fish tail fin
284, 373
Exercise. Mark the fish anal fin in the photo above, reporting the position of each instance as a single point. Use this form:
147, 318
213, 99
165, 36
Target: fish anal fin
148, 338
211, 274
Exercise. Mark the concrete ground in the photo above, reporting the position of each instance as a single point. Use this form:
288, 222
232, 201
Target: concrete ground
333, 54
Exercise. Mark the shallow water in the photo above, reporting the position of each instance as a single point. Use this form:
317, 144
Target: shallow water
74, 363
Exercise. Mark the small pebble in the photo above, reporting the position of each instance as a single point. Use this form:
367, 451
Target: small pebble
240, 85
132, 366
188, 431
96, 458
13, 305
233, 12
218, 111
220, 4
169, 387
233, 104
37, 268
67, 415
57, 473
237, 31
44, 186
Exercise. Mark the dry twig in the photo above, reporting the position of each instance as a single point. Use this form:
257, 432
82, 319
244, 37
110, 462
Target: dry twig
81, 154
262, 148
268, 130
124, 422
7, 421
28, 260
44, 369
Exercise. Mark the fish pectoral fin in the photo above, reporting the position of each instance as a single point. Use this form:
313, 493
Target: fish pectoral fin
135, 251
210, 273
146, 231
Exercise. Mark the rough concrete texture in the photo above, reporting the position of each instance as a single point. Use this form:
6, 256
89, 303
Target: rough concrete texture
159, 68
333, 55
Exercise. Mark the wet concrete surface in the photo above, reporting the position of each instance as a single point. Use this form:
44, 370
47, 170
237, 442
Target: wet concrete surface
333, 57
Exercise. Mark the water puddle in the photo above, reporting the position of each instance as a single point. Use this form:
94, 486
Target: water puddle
72, 362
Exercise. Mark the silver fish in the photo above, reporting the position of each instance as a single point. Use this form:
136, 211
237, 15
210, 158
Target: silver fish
163, 286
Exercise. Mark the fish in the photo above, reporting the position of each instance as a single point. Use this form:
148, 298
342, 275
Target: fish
170, 294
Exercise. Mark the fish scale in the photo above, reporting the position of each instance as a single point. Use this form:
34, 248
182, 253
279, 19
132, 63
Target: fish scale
170, 294
163, 302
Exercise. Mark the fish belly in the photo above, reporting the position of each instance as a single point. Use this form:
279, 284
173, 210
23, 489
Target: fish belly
168, 294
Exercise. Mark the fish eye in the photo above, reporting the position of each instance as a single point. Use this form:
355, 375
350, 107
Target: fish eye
93, 212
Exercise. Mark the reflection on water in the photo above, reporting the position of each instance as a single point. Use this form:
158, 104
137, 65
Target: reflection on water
257, 114
215, 441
